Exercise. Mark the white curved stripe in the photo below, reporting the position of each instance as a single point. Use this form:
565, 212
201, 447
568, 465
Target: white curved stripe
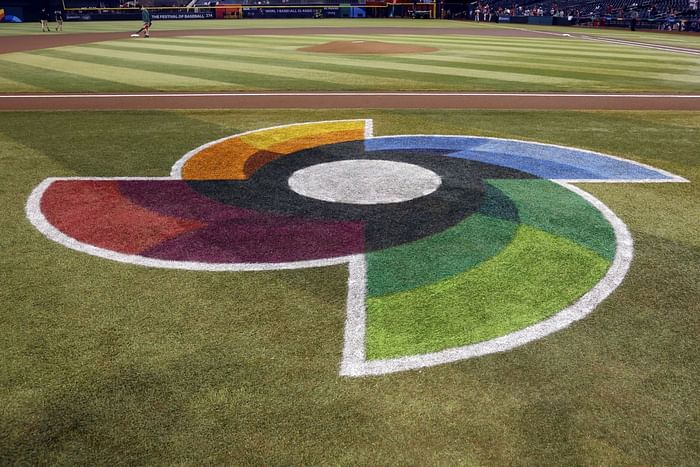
356, 94
579, 310
353, 362
624, 180
643, 45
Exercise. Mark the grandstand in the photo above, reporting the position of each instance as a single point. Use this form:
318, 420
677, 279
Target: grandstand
653, 14
89, 10
648, 8
677, 15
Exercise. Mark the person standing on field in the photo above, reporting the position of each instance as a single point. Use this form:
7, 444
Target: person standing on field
44, 17
146, 18
59, 19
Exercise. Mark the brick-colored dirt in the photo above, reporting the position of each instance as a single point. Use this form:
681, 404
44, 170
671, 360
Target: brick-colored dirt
347, 100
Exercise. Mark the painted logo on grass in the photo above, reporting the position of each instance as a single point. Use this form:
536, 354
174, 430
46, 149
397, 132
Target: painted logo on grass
456, 246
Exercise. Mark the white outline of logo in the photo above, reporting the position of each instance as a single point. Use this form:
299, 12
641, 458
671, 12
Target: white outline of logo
354, 362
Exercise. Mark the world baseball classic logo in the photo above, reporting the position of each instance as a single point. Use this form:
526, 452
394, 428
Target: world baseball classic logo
456, 246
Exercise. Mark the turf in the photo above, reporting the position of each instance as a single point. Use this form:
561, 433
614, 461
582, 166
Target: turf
545, 206
274, 63
106, 363
491, 300
668, 38
441, 255
175, 25
539, 268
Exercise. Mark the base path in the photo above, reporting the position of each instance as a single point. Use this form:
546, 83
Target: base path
332, 100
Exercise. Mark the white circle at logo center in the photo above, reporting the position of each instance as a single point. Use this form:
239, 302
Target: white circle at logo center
364, 181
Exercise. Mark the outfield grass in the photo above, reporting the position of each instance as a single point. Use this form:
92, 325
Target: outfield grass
107, 363
274, 63
175, 25
671, 38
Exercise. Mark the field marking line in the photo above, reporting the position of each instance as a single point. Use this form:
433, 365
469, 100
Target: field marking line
612, 40
644, 45
353, 362
353, 359
561, 320
355, 94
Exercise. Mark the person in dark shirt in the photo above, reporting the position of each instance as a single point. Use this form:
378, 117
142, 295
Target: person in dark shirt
44, 17
146, 18
634, 17
58, 16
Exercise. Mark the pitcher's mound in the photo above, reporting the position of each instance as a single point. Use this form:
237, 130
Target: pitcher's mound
367, 47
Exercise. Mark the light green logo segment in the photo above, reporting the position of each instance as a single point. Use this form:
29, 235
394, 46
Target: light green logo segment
447, 253
554, 209
545, 257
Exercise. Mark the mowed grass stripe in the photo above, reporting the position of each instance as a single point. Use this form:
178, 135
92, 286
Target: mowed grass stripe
172, 69
543, 50
372, 75
516, 50
121, 75
443, 70
518, 63
524, 45
323, 63
374, 79
459, 63
486, 55
58, 81
458, 55
587, 49
261, 67
282, 42
127, 27
19, 86
577, 68
648, 81
249, 80
574, 42
236, 80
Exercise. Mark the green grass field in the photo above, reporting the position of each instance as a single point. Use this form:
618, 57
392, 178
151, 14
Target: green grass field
6, 29
268, 63
105, 363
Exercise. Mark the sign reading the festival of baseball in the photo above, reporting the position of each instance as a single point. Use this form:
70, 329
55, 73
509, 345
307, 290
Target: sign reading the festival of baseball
456, 246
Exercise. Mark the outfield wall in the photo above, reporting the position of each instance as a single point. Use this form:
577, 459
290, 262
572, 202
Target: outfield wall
231, 12
372, 9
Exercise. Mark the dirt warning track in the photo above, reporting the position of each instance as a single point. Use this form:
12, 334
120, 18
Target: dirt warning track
329, 100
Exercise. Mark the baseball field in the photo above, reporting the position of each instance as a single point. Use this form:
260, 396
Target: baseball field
349, 242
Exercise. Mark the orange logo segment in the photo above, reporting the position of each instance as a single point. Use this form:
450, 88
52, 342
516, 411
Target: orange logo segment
239, 157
